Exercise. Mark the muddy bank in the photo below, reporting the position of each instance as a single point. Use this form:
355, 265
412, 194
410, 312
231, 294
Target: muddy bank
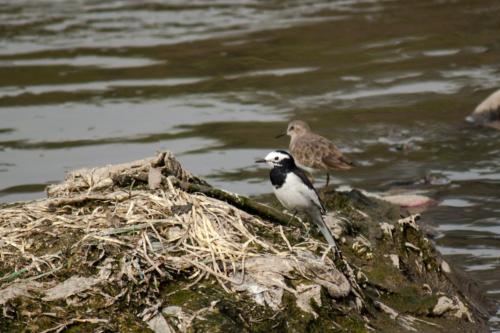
148, 245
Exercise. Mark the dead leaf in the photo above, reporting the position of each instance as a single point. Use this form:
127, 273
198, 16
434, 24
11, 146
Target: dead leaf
69, 287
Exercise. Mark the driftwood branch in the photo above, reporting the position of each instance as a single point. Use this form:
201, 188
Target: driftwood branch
239, 201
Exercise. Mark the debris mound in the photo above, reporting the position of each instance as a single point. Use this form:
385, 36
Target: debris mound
103, 237
147, 245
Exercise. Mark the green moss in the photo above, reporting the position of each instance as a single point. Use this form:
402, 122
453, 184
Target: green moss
338, 202
384, 274
411, 299
188, 299
80, 328
219, 322
352, 324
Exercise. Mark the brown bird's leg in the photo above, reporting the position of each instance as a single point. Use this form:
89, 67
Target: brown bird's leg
327, 179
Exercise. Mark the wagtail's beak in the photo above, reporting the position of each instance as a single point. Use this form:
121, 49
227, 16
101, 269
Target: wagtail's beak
260, 161
280, 135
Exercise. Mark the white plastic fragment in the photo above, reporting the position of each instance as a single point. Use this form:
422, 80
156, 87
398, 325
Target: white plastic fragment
154, 178
427, 288
394, 260
445, 267
409, 221
412, 247
387, 229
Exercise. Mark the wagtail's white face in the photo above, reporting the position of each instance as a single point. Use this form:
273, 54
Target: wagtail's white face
276, 158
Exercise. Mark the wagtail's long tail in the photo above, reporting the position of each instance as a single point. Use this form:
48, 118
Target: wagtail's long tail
320, 222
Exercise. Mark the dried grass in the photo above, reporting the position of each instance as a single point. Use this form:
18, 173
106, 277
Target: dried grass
91, 226
211, 237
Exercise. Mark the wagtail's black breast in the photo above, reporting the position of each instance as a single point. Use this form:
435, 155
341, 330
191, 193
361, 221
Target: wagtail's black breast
277, 176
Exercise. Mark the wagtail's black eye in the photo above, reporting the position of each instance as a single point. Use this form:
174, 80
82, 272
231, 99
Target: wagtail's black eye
291, 128
276, 158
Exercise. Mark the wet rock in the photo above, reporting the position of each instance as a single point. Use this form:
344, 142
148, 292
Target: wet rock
307, 293
455, 307
159, 325
407, 322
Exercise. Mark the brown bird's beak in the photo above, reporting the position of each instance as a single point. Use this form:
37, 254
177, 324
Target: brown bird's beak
280, 135
260, 161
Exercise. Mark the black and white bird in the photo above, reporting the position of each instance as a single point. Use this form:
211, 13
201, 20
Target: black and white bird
294, 190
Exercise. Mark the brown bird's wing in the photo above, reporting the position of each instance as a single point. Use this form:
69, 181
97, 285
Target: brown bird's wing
317, 152
337, 160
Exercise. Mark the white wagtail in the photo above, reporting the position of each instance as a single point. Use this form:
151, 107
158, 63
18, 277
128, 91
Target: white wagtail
295, 191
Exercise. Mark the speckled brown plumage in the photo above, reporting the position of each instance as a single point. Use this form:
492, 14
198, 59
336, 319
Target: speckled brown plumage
312, 152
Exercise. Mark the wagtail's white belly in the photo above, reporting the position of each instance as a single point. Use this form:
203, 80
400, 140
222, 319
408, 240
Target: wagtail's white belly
294, 194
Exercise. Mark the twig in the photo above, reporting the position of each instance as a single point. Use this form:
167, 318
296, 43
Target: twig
61, 327
14, 275
286, 240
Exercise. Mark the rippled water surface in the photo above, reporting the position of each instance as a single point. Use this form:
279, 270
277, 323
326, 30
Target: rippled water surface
87, 83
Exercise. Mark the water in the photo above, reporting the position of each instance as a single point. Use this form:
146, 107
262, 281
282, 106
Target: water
86, 83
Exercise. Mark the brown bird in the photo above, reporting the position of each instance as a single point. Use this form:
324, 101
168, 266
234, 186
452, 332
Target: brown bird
312, 152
